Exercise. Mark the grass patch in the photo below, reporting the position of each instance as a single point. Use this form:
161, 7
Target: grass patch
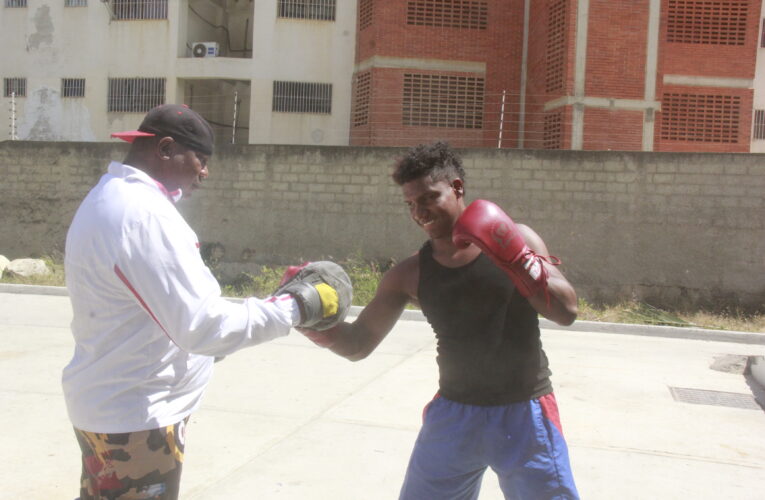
365, 276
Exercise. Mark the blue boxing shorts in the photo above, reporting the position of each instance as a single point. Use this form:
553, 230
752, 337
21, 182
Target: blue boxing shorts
521, 442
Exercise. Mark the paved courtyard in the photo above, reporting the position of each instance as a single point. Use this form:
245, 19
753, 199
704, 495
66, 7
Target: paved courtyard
287, 420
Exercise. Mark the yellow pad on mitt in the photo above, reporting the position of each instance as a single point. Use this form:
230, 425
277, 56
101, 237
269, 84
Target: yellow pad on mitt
329, 299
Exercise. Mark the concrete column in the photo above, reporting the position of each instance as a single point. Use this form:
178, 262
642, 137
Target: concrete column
651, 64
580, 60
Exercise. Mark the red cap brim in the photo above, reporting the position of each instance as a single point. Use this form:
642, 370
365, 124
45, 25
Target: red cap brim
131, 135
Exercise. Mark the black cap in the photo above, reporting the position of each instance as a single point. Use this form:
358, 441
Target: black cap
178, 121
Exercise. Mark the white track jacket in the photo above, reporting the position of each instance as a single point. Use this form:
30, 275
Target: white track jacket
147, 312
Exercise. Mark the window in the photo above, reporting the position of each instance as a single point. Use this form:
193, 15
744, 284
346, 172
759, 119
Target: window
76, 3
15, 87
361, 98
553, 128
72, 87
139, 9
135, 95
443, 101
700, 118
469, 14
709, 22
556, 46
302, 97
323, 10
759, 124
762, 35
366, 9
15, 3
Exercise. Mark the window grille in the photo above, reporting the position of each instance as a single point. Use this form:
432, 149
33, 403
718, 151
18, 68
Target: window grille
553, 131
135, 95
322, 10
700, 118
15, 3
556, 46
366, 9
16, 86
302, 97
76, 3
72, 87
468, 14
443, 101
361, 99
759, 124
139, 9
709, 22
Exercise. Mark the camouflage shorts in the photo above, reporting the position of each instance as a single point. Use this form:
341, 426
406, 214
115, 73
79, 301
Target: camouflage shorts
132, 465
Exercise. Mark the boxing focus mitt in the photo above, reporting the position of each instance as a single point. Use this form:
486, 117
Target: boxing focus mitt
494, 232
322, 290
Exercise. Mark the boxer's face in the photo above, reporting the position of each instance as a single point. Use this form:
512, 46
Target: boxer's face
434, 205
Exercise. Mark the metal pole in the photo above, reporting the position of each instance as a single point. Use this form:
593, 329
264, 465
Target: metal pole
501, 119
233, 128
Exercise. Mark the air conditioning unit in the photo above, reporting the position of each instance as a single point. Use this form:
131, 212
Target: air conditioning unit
204, 49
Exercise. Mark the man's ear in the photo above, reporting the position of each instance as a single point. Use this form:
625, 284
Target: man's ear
459, 187
165, 148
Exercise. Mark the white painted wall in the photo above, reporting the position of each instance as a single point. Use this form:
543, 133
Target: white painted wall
46, 41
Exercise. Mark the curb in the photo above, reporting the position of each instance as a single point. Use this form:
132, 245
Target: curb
579, 326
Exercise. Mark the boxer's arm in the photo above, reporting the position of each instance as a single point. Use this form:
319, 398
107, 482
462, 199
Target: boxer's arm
562, 305
356, 340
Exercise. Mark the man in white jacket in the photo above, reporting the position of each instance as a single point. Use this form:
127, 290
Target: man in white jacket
148, 314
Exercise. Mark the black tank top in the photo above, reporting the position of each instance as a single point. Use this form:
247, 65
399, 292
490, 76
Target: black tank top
488, 342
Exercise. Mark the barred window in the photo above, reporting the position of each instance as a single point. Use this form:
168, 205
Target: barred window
556, 46
322, 10
469, 14
139, 9
553, 131
135, 95
443, 101
72, 87
76, 3
709, 22
700, 118
366, 10
15, 86
361, 99
758, 131
302, 97
15, 3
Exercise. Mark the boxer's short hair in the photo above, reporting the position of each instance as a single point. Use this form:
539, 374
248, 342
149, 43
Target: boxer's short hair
436, 160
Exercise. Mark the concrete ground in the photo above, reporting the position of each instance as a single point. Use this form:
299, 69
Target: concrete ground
287, 420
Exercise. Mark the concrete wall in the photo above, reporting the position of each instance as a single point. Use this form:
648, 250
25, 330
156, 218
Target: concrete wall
669, 228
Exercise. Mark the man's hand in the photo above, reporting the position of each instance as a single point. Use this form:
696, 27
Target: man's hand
494, 232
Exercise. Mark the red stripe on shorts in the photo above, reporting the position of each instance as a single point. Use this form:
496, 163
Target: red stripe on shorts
550, 410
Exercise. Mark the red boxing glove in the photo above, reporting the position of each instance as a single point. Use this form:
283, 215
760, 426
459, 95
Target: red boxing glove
494, 232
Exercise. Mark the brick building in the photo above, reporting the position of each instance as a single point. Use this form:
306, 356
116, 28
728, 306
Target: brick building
651, 75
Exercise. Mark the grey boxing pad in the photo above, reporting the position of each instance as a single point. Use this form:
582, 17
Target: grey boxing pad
302, 286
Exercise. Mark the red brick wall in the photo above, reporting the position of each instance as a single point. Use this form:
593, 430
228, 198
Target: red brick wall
606, 129
498, 46
616, 49
709, 60
615, 68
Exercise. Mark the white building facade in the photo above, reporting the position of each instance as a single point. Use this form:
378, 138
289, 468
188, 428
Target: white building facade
261, 71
